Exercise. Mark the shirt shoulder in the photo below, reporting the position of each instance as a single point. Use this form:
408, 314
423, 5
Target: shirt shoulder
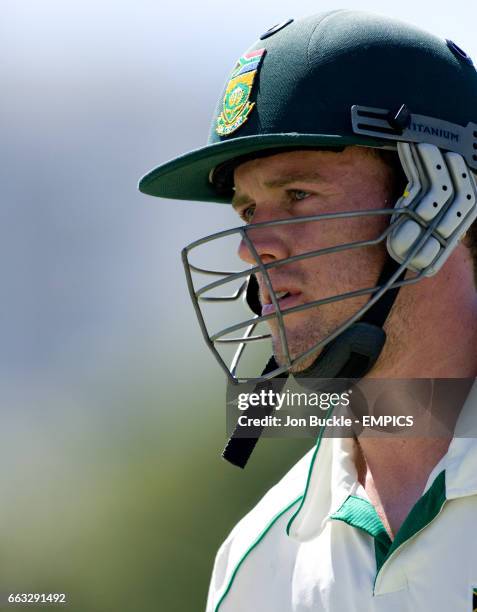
281, 499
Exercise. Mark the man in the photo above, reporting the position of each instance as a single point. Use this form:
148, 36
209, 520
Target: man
347, 143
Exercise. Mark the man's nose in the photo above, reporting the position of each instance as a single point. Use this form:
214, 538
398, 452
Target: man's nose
268, 243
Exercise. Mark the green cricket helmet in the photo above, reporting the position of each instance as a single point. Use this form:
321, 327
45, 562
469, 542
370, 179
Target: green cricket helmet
297, 85
331, 80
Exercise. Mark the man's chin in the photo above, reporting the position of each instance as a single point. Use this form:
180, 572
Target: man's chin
301, 365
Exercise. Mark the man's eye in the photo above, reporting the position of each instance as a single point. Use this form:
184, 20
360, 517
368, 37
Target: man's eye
247, 213
299, 194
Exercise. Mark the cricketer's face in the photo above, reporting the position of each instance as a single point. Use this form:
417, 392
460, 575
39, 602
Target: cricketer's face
302, 183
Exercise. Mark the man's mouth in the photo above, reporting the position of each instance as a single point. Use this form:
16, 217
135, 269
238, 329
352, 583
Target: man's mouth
285, 299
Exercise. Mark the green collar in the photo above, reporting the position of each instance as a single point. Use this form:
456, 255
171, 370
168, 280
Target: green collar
359, 512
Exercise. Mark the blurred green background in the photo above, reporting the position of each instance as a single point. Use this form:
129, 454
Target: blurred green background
112, 413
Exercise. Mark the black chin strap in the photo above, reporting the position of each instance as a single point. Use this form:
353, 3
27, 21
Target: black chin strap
349, 356
238, 448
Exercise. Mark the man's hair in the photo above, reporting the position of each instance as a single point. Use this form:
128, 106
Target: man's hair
470, 241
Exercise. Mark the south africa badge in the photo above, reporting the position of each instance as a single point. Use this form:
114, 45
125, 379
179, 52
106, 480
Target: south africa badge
237, 105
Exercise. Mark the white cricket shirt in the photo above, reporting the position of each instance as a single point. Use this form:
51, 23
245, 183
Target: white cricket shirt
315, 542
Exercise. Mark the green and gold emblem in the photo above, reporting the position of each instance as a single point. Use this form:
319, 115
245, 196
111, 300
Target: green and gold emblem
237, 105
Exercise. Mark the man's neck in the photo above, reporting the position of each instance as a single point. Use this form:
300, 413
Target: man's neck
432, 328
424, 343
394, 472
